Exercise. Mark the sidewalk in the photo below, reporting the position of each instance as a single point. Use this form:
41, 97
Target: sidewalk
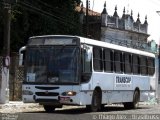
19, 106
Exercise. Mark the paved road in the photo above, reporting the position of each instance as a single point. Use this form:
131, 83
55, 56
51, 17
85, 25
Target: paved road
109, 113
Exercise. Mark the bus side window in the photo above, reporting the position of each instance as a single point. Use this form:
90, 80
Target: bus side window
108, 60
87, 59
143, 65
136, 69
97, 59
151, 66
127, 63
86, 63
118, 62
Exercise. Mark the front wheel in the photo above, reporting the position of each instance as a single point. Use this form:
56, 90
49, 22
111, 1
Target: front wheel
49, 108
96, 101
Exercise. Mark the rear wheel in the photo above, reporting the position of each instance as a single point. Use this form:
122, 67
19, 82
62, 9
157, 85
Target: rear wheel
135, 103
136, 99
49, 108
127, 105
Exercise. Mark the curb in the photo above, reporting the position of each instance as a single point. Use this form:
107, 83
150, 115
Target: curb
19, 105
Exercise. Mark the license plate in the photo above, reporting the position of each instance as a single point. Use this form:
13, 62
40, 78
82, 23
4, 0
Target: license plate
64, 99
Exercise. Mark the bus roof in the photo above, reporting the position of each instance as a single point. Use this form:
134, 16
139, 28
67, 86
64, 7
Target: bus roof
103, 44
115, 47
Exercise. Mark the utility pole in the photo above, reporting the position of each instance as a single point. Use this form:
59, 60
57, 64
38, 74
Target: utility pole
7, 21
4, 96
158, 88
87, 27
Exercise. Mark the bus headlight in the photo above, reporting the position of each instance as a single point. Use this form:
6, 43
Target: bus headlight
69, 93
27, 92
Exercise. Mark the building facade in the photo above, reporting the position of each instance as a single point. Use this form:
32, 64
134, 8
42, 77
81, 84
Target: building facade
114, 29
124, 30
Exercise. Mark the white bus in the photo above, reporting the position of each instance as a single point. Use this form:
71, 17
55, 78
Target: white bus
71, 70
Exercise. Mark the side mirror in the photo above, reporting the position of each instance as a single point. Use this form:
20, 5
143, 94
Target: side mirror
20, 59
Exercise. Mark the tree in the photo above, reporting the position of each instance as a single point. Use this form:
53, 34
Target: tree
1, 29
41, 17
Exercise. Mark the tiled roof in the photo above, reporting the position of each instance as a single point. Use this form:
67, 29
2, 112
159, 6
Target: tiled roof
90, 12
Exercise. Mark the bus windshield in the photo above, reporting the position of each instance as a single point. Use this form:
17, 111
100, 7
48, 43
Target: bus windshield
52, 64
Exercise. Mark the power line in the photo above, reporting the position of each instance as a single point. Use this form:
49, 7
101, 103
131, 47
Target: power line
39, 11
57, 10
48, 6
42, 12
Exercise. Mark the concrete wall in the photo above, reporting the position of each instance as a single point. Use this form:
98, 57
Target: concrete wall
16, 77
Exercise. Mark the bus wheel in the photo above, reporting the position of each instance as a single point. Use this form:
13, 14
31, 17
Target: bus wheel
96, 101
127, 105
135, 103
49, 108
136, 99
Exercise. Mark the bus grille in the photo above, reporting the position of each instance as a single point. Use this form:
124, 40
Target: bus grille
46, 100
46, 88
47, 94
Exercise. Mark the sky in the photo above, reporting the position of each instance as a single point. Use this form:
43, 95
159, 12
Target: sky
143, 7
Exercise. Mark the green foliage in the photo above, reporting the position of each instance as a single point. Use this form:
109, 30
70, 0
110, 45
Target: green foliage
41, 17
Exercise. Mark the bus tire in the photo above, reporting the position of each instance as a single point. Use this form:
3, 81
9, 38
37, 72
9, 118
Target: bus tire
127, 105
96, 101
135, 103
49, 108
136, 99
